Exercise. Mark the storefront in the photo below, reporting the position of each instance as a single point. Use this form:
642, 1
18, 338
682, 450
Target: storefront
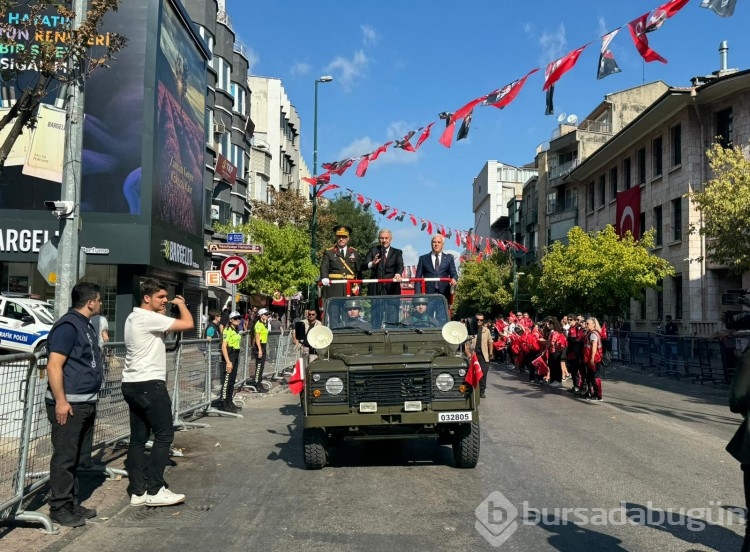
142, 189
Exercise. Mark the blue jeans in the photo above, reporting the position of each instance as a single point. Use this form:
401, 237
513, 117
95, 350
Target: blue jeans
71, 446
150, 412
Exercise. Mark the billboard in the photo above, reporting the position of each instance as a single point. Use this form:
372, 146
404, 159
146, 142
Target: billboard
113, 125
179, 136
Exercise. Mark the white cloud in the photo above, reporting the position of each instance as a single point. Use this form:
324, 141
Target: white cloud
411, 255
253, 59
347, 71
359, 146
300, 69
553, 44
369, 36
395, 130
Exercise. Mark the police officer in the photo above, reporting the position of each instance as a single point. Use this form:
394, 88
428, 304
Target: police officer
419, 317
340, 262
353, 309
230, 351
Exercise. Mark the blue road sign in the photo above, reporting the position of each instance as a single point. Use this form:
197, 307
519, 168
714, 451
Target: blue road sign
236, 238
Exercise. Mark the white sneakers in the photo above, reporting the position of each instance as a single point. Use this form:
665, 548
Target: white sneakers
164, 497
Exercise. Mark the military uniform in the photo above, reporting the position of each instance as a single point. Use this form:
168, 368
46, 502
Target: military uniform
336, 266
353, 323
421, 320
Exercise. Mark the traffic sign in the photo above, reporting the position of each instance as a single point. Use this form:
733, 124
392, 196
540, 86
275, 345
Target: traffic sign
235, 237
213, 277
234, 269
237, 248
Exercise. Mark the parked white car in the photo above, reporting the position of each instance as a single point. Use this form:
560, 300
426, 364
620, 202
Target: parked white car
24, 323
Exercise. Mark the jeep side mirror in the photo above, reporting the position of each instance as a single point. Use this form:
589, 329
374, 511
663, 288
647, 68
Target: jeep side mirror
27, 320
299, 331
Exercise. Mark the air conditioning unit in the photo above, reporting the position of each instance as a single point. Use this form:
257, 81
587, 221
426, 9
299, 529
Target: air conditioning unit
215, 212
219, 127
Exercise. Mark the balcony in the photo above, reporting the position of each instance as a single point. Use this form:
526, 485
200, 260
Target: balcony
530, 218
556, 207
563, 170
223, 17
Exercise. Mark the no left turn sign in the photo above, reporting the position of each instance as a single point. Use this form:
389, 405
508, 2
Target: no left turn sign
234, 269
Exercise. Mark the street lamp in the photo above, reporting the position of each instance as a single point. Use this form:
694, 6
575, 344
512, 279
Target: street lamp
314, 220
515, 284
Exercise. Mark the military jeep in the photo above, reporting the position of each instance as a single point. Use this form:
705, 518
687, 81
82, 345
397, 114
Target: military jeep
389, 367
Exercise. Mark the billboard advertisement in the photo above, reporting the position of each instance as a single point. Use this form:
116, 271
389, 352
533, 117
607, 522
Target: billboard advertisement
113, 125
179, 136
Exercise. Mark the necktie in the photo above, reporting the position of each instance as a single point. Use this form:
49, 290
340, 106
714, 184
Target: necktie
437, 263
342, 252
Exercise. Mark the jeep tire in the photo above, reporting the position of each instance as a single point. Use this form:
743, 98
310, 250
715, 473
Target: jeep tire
466, 445
314, 443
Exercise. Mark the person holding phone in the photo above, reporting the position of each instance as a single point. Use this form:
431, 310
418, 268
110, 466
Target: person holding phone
144, 389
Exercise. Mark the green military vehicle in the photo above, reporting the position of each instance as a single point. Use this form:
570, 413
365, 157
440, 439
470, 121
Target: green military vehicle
389, 367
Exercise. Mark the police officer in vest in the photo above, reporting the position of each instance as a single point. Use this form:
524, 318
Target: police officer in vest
230, 352
75, 375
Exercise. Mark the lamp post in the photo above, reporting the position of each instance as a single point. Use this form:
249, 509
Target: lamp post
313, 219
515, 284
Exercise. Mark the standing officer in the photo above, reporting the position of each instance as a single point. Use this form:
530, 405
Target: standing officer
340, 262
230, 351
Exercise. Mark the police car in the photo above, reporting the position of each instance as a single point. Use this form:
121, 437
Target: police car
24, 323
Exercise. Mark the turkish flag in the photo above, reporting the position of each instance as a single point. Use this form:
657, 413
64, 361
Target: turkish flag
638, 29
559, 67
297, 379
629, 212
475, 372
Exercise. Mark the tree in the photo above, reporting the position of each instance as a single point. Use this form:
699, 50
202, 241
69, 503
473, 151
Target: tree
44, 46
285, 264
597, 272
285, 207
725, 206
483, 287
343, 211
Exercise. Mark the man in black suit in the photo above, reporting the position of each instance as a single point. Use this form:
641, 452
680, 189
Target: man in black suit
437, 264
384, 262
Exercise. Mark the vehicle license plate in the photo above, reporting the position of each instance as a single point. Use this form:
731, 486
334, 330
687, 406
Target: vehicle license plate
454, 417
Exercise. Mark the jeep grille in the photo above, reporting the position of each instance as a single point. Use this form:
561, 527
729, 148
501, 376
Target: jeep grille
390, 387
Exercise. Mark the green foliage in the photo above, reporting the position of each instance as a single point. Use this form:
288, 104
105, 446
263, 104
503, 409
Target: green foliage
483, 287
344, 211
597, 273
725, 206
285, 264
285, 207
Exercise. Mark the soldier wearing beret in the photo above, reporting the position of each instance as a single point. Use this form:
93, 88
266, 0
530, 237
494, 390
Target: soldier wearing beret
340, 262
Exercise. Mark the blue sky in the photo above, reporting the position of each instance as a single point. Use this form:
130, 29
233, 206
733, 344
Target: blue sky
396, 65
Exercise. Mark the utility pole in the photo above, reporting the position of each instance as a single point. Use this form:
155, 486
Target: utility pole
68, 249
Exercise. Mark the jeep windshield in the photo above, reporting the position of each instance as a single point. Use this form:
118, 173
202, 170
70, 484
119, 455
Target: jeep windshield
390, 313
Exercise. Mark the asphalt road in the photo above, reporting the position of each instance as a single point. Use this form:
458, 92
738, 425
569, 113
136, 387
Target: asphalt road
654, 445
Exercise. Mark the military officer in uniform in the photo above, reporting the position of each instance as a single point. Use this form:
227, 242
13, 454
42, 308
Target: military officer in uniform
419, 317
340, 262
352, 316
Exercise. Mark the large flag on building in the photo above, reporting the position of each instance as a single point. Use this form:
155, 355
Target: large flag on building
607, 63
724, 8
629, 212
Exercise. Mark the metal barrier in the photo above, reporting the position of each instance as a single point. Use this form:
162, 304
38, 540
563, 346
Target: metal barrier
194, 383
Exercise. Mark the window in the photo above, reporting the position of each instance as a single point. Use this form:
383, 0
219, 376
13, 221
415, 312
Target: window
658, 223
591, 196
676, 145
641, 161
570, 199
626, 173
656, 154
677, 219
724, 127
642, 305
224, 71
613, 183
240, 99
209, 39
677, 296
602, 189
551, 203
642, 222
208, 120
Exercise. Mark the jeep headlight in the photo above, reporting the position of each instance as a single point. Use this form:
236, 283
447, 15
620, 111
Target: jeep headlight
334, 385
444, 382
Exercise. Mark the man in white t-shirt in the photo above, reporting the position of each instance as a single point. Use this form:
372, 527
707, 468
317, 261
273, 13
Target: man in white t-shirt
144, 389
102, 329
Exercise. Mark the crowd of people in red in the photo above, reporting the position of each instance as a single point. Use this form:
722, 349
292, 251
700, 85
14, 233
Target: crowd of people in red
553, 351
